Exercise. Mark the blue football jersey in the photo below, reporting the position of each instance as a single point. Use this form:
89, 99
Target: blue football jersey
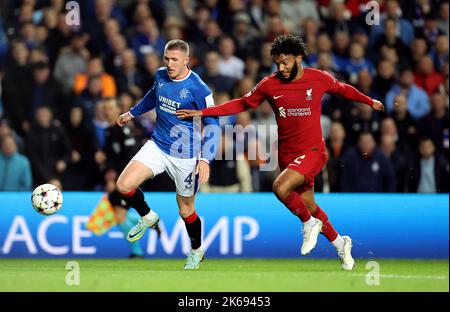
174, 136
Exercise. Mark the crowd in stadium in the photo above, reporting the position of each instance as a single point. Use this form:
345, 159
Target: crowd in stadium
56, 81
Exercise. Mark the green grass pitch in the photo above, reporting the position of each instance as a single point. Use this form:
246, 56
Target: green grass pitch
252, 275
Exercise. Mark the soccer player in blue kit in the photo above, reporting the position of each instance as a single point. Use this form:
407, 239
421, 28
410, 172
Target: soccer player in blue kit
176, 146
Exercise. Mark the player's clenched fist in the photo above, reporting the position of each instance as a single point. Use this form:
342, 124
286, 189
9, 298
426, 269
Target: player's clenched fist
123, 119
377, 105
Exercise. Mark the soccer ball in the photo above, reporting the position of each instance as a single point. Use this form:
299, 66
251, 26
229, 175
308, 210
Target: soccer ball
46, 199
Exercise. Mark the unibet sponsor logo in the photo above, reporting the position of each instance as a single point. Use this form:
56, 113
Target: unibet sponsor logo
168, 105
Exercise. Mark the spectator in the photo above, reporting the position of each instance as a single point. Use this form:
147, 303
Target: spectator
244, 36
148, 39
48, 147
229, 65
430, 30
418, 104
15, 170
399, 161
151, 65
59, 32
367, 169
230, 172
274, 27
406, 125
256, 13
113, 59
72, 60
363, 120
391, 39
365, 84
95, 68
267, 67
404, 30
384, 78
100, 123
6, 130
339, 18
341, 44
443, 18
81, 173
212, 76
337, 148
430, 171
15, 88
197, 22
120, 146
426, 77
294, 13
129, 76
245, 85
209, 40
419, 49
46, 91
440, 53
435, 124
356, 63
89, 98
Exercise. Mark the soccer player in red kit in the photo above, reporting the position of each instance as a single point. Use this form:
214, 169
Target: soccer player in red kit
295, 94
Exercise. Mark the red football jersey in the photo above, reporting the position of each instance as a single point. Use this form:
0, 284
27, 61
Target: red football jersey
297, 106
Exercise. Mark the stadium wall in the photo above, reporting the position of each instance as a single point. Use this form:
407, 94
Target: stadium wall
235, 225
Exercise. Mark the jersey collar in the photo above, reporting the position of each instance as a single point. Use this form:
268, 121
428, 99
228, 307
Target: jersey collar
182, 79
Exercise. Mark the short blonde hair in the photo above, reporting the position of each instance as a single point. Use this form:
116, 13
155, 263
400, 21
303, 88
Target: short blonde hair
177, 44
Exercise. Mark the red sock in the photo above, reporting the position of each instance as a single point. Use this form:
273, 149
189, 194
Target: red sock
190, 219
327, 229
297, 206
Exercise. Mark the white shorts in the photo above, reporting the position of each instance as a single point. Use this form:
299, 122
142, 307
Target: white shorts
182, 171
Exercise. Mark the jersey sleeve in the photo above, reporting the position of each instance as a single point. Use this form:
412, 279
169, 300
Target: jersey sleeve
332, 85
211, 131
147, 103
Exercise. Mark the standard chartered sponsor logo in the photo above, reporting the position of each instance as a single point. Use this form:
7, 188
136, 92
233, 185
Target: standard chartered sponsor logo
299, 111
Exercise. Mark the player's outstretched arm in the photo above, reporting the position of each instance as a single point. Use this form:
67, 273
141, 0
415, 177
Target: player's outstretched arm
228, 108
188, 113
349, 92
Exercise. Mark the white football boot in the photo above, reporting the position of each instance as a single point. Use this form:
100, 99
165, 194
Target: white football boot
194, 259
345, 255
310, 234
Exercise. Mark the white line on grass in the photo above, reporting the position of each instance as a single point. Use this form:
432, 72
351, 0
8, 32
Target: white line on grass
396, 276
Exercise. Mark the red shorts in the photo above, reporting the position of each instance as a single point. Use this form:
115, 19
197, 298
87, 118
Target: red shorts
307, 163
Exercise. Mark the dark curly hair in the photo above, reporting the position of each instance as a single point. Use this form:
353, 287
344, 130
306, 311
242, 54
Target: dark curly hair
288, 44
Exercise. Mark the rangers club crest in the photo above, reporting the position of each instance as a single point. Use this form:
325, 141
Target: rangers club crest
309, 94
184, 93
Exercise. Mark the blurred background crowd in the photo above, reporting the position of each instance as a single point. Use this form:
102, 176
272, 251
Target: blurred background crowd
63, 86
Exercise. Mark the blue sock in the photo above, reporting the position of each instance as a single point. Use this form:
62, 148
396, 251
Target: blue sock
125, 227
